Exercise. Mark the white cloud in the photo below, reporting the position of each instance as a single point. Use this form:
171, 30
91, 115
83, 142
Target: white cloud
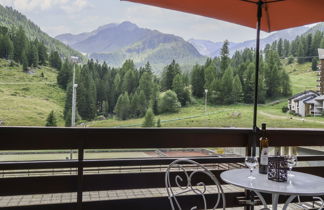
29, 5
75, 6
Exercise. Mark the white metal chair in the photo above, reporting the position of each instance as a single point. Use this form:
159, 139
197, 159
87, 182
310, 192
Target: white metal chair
183, 183
319, 200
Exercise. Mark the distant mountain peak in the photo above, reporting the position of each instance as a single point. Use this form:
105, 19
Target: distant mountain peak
114, 43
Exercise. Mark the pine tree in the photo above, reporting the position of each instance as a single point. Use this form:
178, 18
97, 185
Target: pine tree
149, 119
146, 84
237, 91
55, 60
24, 62
33, 55
154, 99
225, 60
179, 88
122, 108
280, 48
285, 83
308, 46
249, 84
42, 53
300, 53
129, 82
197, 81
105, 108
64, 75
6, 47
210, 75
316, 42
286, 48
86, 94
51, 120
20, 44
168, 75
227, 86
272, 74
138, 104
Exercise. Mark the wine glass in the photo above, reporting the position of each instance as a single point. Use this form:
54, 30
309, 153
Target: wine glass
251, 162
291, 162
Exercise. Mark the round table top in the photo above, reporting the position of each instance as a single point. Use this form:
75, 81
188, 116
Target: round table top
300, 184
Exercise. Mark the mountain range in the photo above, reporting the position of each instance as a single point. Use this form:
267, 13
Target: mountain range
114, 43
212, 49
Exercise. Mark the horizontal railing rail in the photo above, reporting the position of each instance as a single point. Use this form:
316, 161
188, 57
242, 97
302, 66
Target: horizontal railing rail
96, 138
24, 138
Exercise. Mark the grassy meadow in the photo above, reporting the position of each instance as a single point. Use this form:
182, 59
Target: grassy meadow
26, 99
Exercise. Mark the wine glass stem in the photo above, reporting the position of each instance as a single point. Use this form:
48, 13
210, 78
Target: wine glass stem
290, 170
251, 170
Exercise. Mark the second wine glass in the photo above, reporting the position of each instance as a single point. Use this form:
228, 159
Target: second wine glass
291, 162
251, 162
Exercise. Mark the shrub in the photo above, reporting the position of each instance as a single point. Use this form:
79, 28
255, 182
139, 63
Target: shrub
168, 102
284, 109
290, 60
149, 119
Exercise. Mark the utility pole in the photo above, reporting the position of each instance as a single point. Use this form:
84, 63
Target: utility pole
74, 87
206, 91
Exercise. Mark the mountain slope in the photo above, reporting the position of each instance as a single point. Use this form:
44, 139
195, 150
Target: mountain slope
212, 49
10, 17
317, 27
26, 99
114, 43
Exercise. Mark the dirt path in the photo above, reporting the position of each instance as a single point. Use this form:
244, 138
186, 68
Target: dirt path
272, 116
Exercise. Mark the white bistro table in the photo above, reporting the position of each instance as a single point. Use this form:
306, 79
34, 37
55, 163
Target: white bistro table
300, 185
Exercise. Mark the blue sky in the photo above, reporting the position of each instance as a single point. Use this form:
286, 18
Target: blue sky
76, 16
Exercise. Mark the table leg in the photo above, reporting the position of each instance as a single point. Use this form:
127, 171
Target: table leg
275, 199
288, 201
261, 199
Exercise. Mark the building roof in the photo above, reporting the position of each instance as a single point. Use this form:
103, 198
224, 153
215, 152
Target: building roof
300, 95
310, 99
320, 98
305, 98
321, 53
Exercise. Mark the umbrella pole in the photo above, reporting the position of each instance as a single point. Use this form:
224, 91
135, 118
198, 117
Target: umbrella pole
256, 86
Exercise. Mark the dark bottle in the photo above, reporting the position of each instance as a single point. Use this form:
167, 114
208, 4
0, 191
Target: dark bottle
263, 151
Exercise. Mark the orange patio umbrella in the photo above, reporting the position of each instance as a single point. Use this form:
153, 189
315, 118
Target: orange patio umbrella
265, 15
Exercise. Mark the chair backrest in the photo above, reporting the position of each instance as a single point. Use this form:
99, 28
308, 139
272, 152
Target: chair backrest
186, 170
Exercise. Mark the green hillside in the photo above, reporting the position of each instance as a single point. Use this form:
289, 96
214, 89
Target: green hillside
10, 17
301, 77
26, 99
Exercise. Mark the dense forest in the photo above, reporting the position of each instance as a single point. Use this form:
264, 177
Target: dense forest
15, 46
303, 48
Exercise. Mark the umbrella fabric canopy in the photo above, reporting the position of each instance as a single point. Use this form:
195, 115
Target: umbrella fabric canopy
266, 15
277, 15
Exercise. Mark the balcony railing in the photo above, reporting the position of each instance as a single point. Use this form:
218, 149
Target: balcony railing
125, 174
